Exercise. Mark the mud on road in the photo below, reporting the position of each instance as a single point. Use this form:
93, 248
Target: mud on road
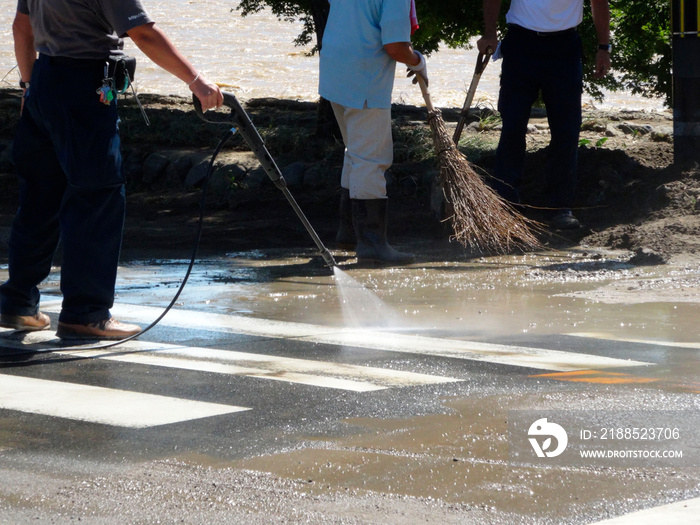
631, 195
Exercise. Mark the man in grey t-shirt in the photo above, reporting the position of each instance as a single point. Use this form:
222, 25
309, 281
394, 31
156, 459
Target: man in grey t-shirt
68, 159
100, 24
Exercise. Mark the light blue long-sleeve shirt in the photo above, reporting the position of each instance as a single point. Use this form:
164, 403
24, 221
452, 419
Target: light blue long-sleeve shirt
355, 68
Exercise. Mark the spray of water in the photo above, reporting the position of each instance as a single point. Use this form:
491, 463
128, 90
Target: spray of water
361, 307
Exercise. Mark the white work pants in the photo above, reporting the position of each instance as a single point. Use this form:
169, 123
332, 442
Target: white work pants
369, 150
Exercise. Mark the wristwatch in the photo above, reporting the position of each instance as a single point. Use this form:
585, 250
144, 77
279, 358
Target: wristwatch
23, 84
604, 47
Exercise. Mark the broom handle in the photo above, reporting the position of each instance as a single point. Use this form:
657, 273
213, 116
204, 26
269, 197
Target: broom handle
426, 93
481, 62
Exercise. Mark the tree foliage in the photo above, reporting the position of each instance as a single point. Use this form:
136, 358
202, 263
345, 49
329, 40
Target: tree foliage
290, 11
641, 53
447, 22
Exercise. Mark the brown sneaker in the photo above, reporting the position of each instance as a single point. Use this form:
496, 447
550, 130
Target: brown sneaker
107, 329
26, 323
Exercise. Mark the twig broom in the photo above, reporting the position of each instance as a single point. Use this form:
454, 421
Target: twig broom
480, 218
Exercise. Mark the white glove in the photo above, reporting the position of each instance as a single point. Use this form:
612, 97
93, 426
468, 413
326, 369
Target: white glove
497, 55
420, 69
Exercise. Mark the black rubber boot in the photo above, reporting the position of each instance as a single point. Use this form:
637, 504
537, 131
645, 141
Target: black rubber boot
369, 217
346, 232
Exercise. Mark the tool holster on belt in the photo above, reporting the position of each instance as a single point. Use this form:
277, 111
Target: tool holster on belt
122, 69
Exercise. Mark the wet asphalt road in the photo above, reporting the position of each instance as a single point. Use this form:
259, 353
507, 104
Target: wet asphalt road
403, 383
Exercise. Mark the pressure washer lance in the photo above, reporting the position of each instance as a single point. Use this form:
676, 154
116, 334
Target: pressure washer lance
250, 134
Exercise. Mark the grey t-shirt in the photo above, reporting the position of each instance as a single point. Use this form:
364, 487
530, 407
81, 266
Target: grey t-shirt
82, 28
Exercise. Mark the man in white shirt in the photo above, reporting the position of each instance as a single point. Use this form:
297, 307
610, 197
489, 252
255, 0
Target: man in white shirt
542, 52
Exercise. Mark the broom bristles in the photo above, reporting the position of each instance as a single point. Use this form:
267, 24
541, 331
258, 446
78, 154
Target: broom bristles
480, 217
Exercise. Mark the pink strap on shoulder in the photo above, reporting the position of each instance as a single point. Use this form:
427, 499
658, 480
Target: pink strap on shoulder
414, 18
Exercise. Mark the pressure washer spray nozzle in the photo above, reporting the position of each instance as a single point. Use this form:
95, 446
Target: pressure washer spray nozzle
328, 259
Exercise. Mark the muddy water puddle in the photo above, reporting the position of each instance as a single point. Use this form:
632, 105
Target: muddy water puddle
589, 295
461, 458
551, 293
591, 299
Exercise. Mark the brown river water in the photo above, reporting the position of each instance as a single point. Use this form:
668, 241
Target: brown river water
255, 57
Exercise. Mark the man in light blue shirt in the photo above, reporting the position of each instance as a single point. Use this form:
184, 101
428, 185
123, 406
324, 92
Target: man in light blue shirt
362, 42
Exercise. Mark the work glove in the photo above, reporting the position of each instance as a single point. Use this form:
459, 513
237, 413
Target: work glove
420, 69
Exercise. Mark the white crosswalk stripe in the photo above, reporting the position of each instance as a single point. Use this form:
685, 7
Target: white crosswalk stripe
537, 358
316, 373
292, 370
612, 337
133, 409
108, 406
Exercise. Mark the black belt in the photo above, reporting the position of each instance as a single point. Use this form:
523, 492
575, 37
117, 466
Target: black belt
76, 62
563, 32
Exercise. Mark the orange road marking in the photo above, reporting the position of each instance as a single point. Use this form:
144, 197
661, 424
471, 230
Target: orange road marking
597, 376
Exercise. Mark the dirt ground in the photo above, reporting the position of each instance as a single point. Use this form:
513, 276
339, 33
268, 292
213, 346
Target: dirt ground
631, 194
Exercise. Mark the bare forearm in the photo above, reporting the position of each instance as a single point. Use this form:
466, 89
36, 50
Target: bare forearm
157, 46
600, 10
601, 19
491, 10
24, 45
488, 42
402, 52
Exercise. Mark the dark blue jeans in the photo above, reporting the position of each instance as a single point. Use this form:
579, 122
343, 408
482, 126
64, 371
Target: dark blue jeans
550, 64
67, 155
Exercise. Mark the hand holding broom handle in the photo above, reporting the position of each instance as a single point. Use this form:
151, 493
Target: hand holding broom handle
481, 62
